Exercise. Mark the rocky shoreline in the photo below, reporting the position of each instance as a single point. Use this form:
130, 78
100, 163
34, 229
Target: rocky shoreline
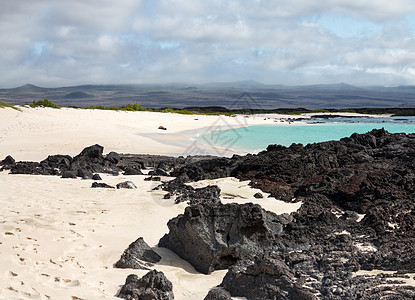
357, 213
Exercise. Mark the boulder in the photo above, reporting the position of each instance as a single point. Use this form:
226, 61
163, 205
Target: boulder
126, 185
68, 174
258, 195
57, 161
132, 171
101, 185
138, 255
85, 173
214, 237
153, 285
7, 161
96, 177
159, 172
90, 155
218, 294
113, 158
209, 195
266, 278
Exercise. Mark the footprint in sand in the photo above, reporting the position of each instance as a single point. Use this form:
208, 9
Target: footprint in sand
20, 260
11, 274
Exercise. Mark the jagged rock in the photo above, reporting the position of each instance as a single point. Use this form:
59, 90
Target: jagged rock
101, 185
85, 173
68, 174
152, 178
138, 255
96, 177
113, 158
158, 172
153, 285
209, 195
258, 195
33, 168
7, 161
216, 237
218, 294
126, 185
205, 169
132, 171
267, 278
57, 161
90, 155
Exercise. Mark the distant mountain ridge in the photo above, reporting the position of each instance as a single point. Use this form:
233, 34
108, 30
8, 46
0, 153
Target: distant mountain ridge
237, 94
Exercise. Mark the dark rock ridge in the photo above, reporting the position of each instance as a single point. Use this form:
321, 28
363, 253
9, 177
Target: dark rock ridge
91, 160
138, 255
153, 285
357, 213
213, 237
325, 241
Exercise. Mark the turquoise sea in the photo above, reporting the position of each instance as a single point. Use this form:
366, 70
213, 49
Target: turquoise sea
256, 138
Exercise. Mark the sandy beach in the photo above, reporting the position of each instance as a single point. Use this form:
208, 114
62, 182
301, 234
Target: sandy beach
60, 238
35, 133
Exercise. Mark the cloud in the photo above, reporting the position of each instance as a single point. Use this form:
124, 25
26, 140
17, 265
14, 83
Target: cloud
128, 41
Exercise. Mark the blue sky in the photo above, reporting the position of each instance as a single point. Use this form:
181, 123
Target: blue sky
68, 42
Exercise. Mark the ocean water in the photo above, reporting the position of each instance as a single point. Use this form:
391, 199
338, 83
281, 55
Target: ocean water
256, 138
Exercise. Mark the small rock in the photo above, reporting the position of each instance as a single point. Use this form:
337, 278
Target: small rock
153, 285
126, 185
138, 255
101, 185
258, 195
162, 128
96, 177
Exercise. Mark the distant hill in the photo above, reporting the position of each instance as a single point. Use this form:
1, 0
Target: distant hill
236, 95
29, 87
78, 95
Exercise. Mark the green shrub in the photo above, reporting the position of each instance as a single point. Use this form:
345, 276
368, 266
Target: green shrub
44, 103
132, 107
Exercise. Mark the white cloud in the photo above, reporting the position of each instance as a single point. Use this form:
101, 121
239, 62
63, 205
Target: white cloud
74, 41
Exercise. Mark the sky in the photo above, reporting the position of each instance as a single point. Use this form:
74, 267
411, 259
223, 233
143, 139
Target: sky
297, 42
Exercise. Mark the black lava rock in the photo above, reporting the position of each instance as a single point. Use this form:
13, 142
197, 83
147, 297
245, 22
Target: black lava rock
138, 255
101, 185
153, 285
126, 185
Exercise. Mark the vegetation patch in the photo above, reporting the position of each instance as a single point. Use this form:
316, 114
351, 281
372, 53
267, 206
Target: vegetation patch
4, 105
44, 103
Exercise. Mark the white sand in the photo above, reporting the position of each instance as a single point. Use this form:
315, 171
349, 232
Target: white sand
33, 134
59, 238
